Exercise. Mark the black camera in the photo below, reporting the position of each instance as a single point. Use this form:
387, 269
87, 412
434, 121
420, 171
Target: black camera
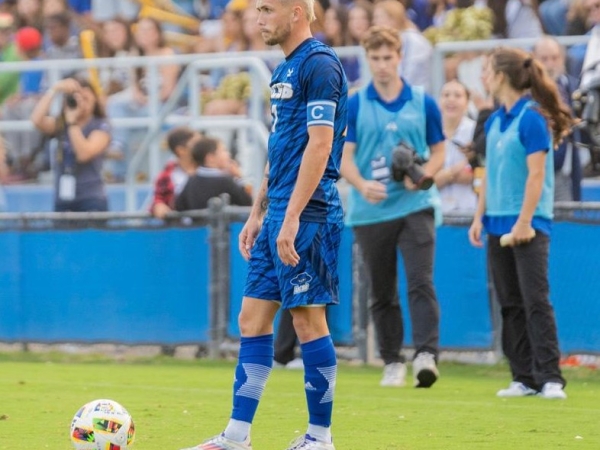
586, 104
70, 101
406, 162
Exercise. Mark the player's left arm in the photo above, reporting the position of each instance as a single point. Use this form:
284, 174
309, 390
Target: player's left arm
311, 171
322, 89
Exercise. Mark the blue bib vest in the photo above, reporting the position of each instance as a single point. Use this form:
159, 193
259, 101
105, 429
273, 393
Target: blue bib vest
506, 172
378, 131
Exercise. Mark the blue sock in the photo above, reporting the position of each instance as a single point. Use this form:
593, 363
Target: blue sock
320, 369
254, 366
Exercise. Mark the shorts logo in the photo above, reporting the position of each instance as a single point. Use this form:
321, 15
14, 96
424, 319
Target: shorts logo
301, 283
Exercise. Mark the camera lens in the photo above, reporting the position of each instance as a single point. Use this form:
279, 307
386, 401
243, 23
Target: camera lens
70, 101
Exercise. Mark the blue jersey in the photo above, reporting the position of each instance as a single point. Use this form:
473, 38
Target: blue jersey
308, 88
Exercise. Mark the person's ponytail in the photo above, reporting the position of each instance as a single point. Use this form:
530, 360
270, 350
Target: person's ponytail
545, 92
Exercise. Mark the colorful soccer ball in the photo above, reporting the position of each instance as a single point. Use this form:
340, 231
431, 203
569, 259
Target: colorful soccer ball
102, 425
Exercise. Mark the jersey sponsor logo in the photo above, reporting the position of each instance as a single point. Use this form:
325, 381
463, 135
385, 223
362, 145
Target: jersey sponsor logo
301, 283
282, 91
320, 112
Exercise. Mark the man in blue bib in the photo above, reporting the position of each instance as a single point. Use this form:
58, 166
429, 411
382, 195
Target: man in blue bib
390, 208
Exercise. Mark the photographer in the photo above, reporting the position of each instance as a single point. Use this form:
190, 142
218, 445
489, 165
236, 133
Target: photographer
392, 201
82, 134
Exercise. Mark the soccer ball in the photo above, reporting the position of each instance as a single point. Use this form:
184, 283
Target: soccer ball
102, 425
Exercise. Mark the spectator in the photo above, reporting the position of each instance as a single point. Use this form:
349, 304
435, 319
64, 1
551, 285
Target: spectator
25, 148
53, 7
516, 198
591, 60
415, 65
455, 180
386, 213
360, 17
116, 41
29, 14
212, 178
133, 101
172, 179
9, 81
438, 9
577, 18
110, 9
62, 44
567, 163
336, 34
553, 14
418, 13
515, 18
83, 134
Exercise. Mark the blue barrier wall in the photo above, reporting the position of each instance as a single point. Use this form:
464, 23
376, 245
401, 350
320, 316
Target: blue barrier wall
130, 286
151, 286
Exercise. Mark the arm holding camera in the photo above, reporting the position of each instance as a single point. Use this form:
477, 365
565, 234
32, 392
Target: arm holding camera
40, 117
77, 111
373, 191
436, 160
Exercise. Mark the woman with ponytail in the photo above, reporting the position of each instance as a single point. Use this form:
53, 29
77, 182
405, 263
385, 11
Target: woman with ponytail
515, 209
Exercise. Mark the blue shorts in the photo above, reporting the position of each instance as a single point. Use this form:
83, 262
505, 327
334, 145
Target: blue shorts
314, 281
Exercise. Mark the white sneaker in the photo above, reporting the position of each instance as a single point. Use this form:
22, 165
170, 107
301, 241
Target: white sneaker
220, 442
295, 364
425, 371
516, 389
394, 375
307, 442
553, 390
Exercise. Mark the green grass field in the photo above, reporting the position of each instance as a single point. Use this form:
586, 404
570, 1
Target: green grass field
178, 403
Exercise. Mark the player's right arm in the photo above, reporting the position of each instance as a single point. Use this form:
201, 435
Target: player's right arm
253, 224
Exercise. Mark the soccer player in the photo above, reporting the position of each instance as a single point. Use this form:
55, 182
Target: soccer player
292, 246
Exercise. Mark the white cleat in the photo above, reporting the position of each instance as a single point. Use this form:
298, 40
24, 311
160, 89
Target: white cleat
394, 375
425, 371
552, 390
516, 389
220, 442
306, 442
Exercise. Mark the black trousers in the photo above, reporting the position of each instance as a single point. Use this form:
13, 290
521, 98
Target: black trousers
378, 243
285, 339
529, 336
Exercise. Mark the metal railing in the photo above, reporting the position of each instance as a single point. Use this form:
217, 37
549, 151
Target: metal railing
443, 49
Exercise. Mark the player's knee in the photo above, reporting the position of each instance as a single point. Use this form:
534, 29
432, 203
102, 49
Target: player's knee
309, 323
251, 325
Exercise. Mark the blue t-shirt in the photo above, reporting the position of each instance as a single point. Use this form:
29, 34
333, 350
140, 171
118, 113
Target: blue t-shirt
31, 81
81, 6
308, 88
534, 136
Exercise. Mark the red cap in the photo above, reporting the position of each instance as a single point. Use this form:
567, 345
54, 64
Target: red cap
28, 38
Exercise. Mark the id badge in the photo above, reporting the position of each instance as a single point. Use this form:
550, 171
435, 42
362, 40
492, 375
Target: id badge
379, 170
66, 187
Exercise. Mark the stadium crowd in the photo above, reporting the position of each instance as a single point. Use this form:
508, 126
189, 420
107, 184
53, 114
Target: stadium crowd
69, 29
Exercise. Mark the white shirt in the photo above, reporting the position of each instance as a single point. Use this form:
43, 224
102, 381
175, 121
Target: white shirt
591, 62
456, 197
